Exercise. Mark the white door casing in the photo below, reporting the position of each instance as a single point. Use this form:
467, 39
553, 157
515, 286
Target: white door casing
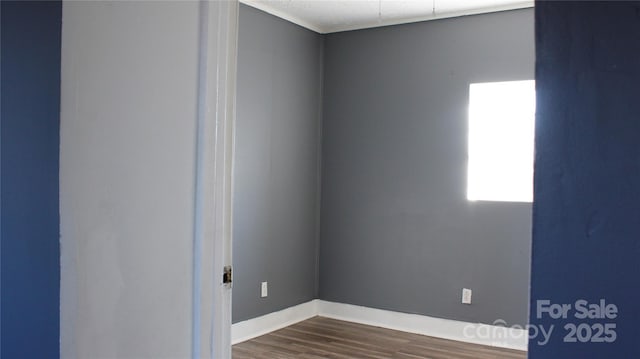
214, 173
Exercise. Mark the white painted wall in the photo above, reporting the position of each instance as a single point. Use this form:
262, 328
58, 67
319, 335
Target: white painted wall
127, 162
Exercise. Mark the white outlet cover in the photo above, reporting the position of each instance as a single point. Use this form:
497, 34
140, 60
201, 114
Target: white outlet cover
466, 296
264, 290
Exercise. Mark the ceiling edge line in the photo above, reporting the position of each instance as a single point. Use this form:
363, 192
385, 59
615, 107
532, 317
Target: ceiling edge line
446, 15
280, 14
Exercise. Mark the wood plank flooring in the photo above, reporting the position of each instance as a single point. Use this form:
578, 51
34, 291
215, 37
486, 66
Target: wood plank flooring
319, 337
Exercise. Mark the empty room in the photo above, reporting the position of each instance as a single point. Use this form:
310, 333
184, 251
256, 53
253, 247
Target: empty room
356, 194
263, 179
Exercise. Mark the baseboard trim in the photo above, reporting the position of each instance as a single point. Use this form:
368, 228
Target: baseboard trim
249, 329
476, 333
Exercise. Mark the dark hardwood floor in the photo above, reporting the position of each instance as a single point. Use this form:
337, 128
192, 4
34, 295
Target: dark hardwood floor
319, 337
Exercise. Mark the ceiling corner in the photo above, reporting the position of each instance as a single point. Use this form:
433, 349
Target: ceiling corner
264, 6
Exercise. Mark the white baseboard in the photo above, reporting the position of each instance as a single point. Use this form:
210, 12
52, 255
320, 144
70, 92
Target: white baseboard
476, 333
249, 329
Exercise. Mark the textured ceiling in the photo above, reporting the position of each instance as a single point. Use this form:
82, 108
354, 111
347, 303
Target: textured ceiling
325, 16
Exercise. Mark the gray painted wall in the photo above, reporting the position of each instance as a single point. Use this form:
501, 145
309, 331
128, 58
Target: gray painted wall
397, 230
127, 161
277, 173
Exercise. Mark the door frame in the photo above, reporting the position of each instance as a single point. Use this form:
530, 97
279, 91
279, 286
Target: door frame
214, 178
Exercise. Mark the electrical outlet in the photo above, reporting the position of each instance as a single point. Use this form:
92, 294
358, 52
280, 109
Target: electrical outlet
466, 296
264, 290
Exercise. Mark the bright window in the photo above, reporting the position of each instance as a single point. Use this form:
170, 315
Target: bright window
501, 131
